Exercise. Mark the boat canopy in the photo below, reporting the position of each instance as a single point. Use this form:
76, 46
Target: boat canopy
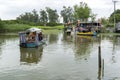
91, 23
34, 30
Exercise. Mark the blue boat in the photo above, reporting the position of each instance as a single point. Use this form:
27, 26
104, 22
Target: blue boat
24, 42
88, 29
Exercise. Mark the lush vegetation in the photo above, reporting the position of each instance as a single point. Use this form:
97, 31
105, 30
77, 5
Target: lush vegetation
83, 10
47, 18
41, 19
117, 16
50, 18
23, 27
67, 14
2, 27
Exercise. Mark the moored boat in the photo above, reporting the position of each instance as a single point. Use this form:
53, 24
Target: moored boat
68, 28
31, 38
88, 28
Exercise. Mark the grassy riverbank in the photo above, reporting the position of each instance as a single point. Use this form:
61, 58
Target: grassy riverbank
22, 27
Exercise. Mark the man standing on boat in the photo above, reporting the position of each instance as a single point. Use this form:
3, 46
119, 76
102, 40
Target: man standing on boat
78, 26
81, 27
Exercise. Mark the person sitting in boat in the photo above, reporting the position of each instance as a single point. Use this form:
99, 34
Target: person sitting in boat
65, 26
31, 37
69, 25
85, 28
88, 28
40, 36
80, 27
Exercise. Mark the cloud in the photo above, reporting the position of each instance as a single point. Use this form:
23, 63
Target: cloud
10, 9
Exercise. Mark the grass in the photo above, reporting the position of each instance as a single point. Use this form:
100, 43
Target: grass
55, 31
22, 27
51, 27
15, 27
110, 33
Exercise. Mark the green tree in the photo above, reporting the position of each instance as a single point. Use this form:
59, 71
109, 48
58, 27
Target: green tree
67, 14
25, 18
117, 16
29, 17
93, 17
104, 21
52, 15
82, 11
2, 27
0, 23
35, 16
43, 16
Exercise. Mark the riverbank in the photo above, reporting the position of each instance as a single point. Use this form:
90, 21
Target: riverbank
23, 27
54, 31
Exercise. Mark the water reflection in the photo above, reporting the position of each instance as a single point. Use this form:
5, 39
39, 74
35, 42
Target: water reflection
68, 38
113, 46
4, 39
52, 38
116, 46
83, 46
117, 40
67, 57
30, 55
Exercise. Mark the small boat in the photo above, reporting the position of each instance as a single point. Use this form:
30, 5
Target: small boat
25, 40
68, 31
88, 29
68, 28
87, 33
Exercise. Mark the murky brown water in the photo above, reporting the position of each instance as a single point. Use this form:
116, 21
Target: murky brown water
63, 58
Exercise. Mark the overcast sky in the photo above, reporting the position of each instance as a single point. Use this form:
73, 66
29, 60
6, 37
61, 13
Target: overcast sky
10, 9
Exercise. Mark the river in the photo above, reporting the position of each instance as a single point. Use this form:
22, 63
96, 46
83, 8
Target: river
64, 57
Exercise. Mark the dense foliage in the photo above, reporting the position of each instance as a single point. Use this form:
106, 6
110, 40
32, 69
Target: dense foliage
82, 11
67, 14
117, 16
2, 27
50, 16
43, 18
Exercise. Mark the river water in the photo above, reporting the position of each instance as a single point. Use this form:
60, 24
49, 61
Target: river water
64, 57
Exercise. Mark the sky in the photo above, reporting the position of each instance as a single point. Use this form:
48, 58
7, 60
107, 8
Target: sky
10, 9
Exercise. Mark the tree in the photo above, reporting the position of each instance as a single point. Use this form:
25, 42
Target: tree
117, 16
82, 11
35, 16
67, 14
93, 17
1, 24
43, 16
2, 27
29, 17
104, 21
52, 15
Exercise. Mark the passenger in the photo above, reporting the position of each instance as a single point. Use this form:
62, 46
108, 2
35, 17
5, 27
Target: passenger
69, 25
88, 28
40, 36
31, 37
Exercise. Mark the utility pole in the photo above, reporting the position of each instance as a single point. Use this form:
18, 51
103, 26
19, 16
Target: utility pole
114, 1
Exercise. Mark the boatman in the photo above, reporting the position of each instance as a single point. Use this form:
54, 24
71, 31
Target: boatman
78, 26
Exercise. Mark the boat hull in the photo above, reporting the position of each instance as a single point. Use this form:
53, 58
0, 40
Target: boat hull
31, 44
87, 33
